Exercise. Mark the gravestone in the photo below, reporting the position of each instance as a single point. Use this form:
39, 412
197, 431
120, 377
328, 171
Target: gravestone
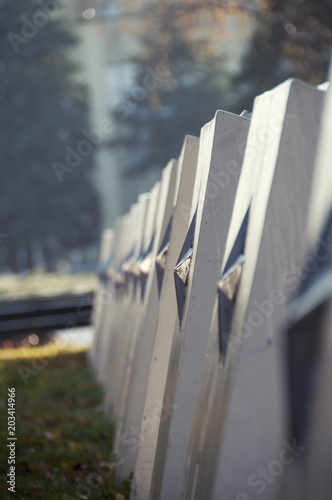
220, 157
138, 362
125, 312
261, 121
128, 308
167, 316
309, 336
107, 298
246, 428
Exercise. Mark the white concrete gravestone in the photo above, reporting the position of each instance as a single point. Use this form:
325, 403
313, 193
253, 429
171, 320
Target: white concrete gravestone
309, 339
125, 313
263, 119
131, 317
139, 360
167, 316
110, 294
188, 210
124, 320
222, 144
108, 298
249, 400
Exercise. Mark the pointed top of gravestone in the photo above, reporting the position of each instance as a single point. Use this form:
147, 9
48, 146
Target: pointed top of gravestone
324, 86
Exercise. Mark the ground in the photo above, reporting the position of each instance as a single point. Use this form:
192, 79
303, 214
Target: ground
63, 437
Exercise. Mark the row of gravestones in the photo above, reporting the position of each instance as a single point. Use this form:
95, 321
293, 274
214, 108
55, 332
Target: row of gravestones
213, 322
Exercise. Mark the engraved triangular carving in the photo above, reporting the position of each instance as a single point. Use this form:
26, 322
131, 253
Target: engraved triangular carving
230, 281
229, 284
182, 267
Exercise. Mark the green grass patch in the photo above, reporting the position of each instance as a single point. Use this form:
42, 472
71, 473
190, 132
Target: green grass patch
64, 440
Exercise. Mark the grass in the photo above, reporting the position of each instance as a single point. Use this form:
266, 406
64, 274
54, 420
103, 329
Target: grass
63, 438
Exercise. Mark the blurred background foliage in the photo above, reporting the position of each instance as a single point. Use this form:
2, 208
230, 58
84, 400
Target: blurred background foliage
199, 56
44, 108
285, 38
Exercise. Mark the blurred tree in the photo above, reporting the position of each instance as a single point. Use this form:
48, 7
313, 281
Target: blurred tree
43, 113
292, 39
178, 88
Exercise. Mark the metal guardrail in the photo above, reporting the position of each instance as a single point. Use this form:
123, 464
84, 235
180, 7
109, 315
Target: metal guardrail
38, 315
